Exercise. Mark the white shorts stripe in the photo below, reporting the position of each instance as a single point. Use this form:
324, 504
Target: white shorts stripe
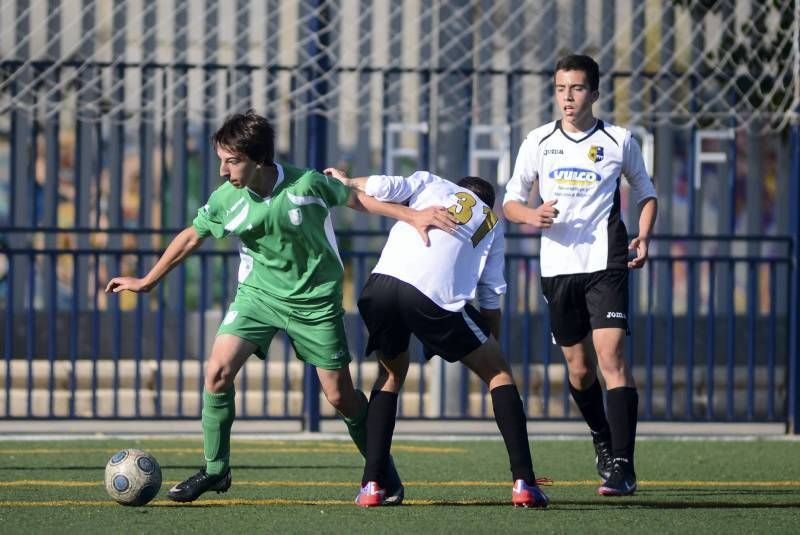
474, 327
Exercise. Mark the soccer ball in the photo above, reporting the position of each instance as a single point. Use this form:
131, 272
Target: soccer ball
133, 477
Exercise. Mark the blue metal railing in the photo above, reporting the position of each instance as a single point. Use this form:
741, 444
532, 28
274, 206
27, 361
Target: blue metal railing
716, 350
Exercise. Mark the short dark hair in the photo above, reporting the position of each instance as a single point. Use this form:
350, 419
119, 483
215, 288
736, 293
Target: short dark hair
578, 62
480, 187
249, 134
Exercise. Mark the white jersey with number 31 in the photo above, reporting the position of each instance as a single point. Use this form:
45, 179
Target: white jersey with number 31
456, 267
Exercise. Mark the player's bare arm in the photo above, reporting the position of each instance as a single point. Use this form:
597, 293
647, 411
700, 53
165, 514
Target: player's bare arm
357, 183
422, 220
648, 210
543, 216
179, 248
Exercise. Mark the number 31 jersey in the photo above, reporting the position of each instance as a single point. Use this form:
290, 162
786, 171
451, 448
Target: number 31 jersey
583, 174
456, 267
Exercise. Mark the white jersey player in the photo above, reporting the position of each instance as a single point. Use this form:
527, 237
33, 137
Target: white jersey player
426, 290
468, 262
582, 172
579, 161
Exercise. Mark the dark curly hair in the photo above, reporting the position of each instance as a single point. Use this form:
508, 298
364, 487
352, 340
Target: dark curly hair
249, 134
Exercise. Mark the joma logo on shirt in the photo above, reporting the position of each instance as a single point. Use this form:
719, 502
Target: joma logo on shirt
574, 174
548, 152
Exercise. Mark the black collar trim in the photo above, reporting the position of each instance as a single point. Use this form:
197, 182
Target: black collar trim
597, 126
603, 129
555, 128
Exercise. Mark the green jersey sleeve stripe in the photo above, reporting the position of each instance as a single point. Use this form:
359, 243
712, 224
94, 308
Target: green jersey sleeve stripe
301, 200
240, 218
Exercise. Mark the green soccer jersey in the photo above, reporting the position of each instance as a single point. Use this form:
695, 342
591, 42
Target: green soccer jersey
288, 246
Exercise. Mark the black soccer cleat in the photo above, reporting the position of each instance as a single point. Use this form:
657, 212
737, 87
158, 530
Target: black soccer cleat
202, 481
621, 482
395, 491
604, 459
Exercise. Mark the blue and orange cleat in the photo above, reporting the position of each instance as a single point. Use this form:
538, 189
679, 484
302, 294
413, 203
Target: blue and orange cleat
622, 481
604, 459
525, 495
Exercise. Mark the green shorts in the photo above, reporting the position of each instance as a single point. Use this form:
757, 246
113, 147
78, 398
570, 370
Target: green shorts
317, 335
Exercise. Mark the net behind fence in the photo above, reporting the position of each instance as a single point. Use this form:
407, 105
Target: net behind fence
679, 62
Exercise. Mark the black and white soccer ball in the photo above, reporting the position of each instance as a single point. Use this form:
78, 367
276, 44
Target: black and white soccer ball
133, 477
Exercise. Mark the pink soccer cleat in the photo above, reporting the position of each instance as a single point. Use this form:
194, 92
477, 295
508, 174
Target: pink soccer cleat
371, 495
525, 495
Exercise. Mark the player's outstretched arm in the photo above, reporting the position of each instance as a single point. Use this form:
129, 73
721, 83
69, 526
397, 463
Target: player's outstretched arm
179, 248
542, 216
358, 183
647, 219
422, 220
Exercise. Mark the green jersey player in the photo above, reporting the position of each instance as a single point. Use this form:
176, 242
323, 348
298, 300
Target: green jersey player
290, 278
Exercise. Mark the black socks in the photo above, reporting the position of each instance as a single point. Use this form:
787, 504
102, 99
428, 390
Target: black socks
623, 411
381, 417
510, 417
590, 403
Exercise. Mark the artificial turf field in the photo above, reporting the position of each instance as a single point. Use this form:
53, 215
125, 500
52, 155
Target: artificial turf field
286, 486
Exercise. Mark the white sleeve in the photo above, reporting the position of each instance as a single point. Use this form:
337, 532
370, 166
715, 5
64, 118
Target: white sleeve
397, 188
635, 172
519, 187
492, 283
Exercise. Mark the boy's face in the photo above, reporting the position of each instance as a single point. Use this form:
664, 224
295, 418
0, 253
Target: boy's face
237, 168
573, 95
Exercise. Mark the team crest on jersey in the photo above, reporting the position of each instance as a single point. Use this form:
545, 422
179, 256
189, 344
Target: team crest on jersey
295, 216
595, 153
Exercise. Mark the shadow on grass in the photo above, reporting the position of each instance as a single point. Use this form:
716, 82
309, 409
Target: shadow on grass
239, 467
194, 467
313, 503
627, 503
51, 468
720, 492
570, 505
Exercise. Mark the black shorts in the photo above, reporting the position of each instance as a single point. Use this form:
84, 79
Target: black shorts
582, 302
393, 310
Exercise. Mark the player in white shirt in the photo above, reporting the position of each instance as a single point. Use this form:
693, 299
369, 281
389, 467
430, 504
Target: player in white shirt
425, 290
578, 162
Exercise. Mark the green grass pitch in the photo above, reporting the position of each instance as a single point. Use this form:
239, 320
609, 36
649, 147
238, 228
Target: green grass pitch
461, 486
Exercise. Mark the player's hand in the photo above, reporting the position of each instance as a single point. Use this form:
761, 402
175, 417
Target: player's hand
433, 216
639, 245
338, 174
544, 214
132, 284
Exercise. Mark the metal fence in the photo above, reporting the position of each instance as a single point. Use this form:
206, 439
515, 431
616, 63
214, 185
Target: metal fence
703, 351
104, 152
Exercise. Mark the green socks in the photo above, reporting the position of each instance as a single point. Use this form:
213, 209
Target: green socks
218, 413
357, 425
